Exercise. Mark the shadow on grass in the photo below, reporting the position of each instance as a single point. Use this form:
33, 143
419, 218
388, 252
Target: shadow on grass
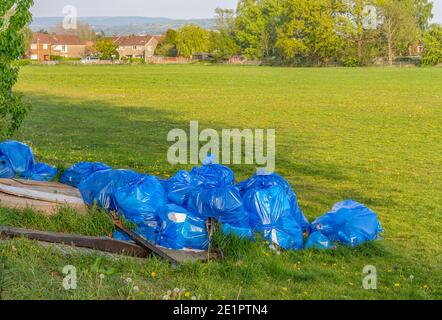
65, 131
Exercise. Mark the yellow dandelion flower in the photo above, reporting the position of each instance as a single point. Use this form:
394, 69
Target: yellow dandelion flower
153, 274
397, 285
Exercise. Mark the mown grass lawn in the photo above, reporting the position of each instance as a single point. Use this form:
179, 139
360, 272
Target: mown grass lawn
372, 135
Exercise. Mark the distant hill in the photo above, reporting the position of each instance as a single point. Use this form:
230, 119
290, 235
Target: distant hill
124, 25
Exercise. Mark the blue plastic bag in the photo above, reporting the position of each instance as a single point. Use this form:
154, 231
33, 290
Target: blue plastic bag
271, 214
317, 240
20, 157
101, 186
6, 170
17, 160
138, 202
43, 172
350, 223
215, 195
243, 233
179, 187
222, 203
179, 229
79, 172
208, 191
213, 175
263, 181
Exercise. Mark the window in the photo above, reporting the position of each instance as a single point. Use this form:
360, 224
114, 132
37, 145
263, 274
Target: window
149, 48
33, 46
45, 47
34, 57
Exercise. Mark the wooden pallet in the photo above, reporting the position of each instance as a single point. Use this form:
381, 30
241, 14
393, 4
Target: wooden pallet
108, 245
45, 197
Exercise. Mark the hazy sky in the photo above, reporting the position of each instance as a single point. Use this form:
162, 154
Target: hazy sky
177, 9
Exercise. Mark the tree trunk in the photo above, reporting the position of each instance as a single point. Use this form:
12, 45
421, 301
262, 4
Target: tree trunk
390, 53
360, 44
390, 32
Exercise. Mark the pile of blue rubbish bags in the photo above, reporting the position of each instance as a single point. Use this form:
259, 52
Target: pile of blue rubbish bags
173, 213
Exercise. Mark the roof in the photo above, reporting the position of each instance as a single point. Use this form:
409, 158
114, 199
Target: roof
132, 40
56, 39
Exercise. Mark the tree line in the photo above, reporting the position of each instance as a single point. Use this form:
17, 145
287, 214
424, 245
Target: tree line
315, 33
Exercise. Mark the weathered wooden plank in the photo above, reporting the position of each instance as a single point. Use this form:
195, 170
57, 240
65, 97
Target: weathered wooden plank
46, 197
50, 187
41, 196
146, 245
95, 243
25, 182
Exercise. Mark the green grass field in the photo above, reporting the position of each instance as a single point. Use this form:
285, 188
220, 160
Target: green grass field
372, 135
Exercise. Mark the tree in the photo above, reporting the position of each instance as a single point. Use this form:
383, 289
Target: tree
249, 28
14, 17
224, 20
321, 32
27, 37
167, 46
291, 32
170, 36
323, 40
312, 31
423, 12
360, 28
222, 45
191, 39
106, 48
399, 26
432, 46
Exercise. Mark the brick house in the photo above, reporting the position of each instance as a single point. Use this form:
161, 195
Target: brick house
142, 47
43, 46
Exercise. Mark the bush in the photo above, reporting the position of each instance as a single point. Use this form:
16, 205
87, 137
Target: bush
61, 58
21, 63
433, 46
136, 60
56, 58
351, 62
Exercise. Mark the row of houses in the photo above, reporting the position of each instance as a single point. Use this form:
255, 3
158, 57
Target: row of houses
44, 46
